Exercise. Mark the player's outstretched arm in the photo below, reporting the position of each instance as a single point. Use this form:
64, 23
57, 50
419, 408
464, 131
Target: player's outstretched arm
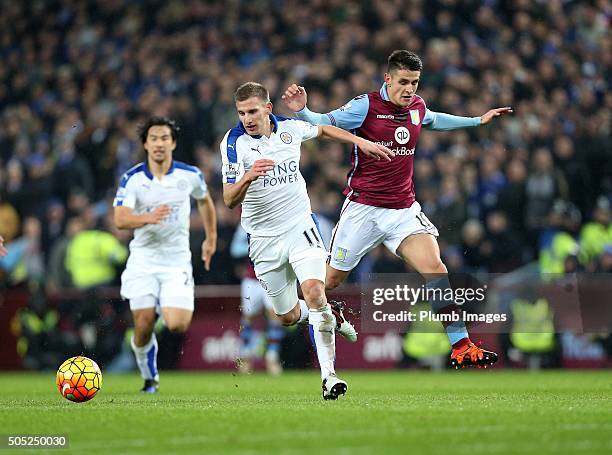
206, 208
439, 121
3, 250
295, 97
369, 148
234, 193
497, 112
126, 219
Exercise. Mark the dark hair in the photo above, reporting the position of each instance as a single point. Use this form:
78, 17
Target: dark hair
404, 60
251, 89
143, 131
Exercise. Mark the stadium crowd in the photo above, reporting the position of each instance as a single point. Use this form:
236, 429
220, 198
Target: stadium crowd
78, 77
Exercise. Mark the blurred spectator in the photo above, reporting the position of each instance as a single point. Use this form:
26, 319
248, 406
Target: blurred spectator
71, 171
24, 261
472, 238
10, 223
58, 276
502, 247
15, 190
604, 264
53, 226
512, 197
596, 236
557, 241
544, 184
576, 173
93, 256
491, 183
450, 213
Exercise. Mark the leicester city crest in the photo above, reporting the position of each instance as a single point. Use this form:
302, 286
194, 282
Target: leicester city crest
286, 137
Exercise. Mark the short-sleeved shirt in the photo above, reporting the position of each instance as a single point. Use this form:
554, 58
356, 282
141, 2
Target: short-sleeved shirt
277, 202
166, 243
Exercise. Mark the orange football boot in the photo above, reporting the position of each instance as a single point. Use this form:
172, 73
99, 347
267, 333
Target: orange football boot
470, 355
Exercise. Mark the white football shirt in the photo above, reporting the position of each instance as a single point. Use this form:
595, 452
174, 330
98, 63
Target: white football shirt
277, 202
165, 244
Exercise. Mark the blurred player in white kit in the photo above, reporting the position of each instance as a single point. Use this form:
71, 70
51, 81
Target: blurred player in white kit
154, 199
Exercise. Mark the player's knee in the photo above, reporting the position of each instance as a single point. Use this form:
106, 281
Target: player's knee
144, 323
178, 326
314, 293
143, 328
289, 319
437, 266
432, 266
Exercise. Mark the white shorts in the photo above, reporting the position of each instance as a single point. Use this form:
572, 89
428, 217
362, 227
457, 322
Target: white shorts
171, 286
280, 262
253, 297
362, 228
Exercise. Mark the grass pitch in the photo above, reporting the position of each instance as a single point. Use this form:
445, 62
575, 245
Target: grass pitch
466, 412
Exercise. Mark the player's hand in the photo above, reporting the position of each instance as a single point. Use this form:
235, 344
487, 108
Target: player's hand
486, 118
3, 250
295, 97
376, 151
259, 168
209, 247
158, 215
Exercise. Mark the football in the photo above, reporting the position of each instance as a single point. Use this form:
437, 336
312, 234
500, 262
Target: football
78, 379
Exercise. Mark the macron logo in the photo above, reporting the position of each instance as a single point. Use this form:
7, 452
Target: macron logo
389, 116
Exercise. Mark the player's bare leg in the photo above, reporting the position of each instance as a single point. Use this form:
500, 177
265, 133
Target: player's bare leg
421, 252
334, 277
177, 319
144, 321
322, 327
144, 345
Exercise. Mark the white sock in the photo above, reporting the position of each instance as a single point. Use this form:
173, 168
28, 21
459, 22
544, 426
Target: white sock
325, 342
304, 310
146, 358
